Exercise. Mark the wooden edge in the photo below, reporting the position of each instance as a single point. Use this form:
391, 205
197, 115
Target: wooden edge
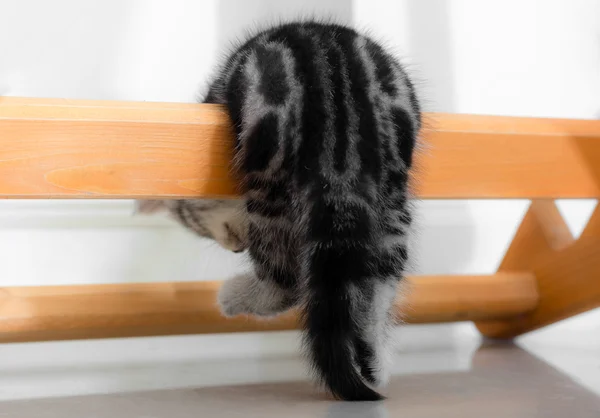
566, 271
128, 310
57, 148
542, 231
592, 229
557, 234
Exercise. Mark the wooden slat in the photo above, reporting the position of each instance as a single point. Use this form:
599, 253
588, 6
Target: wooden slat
86, 149
52, 148
123, 310
505, 157
567, 271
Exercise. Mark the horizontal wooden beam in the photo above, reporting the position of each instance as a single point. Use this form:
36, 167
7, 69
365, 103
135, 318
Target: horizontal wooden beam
53, 148
128, 310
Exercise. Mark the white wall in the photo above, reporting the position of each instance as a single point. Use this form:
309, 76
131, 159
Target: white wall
515, 57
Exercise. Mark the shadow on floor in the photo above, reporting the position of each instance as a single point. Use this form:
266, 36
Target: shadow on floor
503, 381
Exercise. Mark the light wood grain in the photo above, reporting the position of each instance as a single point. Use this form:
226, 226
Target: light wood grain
567, 271
124, 310
469, 156
86, 149
53, 148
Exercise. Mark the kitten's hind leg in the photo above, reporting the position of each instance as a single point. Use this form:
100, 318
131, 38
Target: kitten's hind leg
248, 294
389, 266
378, 326
271, 288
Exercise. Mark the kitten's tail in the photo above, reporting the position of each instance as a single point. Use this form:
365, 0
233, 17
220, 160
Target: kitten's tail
331, 336
345, 314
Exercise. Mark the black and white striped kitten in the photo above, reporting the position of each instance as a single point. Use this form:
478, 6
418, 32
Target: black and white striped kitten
326, 122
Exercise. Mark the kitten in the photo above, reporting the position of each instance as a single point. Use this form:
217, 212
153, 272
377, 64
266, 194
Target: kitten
325, 121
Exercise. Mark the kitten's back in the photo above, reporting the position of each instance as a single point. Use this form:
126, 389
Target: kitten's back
326, 121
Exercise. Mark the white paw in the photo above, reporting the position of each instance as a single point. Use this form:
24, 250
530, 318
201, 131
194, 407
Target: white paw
247, 295
231, 297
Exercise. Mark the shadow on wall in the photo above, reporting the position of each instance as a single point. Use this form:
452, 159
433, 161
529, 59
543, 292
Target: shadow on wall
430, 41
445, 231
236, 17
42, 52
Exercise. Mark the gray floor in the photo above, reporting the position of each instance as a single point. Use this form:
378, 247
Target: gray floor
502, 381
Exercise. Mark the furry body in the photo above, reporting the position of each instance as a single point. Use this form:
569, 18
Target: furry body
326, 123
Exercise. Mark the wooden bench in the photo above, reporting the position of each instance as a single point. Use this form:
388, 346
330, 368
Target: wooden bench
67, 149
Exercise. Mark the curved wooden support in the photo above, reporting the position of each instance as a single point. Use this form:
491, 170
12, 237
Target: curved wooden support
567, 271
126, 310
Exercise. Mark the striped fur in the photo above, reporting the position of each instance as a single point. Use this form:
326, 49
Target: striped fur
326, 122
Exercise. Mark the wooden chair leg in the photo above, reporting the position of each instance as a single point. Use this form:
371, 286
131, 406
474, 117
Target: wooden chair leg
567, 271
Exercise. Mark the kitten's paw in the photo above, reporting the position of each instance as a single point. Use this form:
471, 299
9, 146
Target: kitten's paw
247, 295
231, 297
